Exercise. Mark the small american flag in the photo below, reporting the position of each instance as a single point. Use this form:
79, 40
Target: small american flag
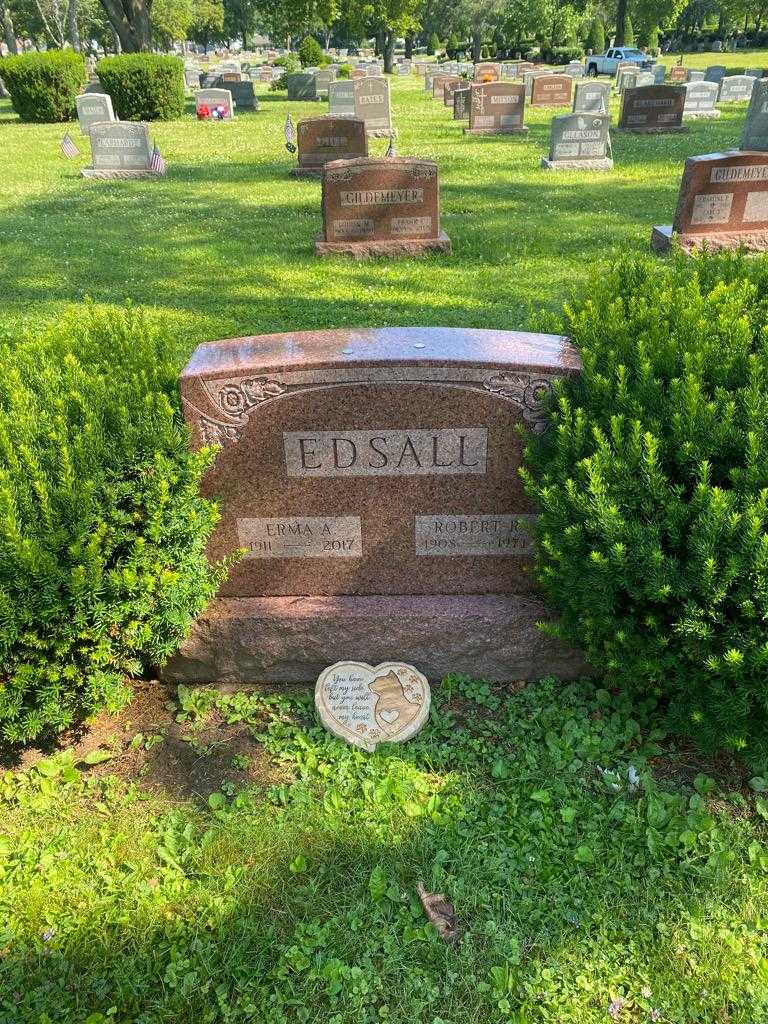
68, 148
157, 164
391, 152
290, 135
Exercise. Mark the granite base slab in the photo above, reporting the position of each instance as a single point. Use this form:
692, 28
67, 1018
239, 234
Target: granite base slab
381, 133
752, 241
497, 131
306, 172
92, 172
604, 164
393, 248
291, 639
710, 115
677, 130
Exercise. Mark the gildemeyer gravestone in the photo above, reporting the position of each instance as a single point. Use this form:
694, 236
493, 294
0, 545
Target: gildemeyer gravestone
371, 476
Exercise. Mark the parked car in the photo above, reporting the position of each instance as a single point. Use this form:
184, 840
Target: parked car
607, 63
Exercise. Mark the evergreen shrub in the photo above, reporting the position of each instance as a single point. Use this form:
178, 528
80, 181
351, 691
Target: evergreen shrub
102, 529
43, 86
310, 52
144, 86
652, 483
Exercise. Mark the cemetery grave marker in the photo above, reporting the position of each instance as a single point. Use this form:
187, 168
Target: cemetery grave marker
723, 202
496, 108
653, 110
341, 98
551, 91
120, 149
679, 74
487, 72
700, 99
736, 89
461, 103
438, 82
715, 73
659, 72
242, 92
644, 78
372, 477
387, 207
92, 108
754, 72
755, 136
575, 69
579, 142
372, 106
214, 105
625, 78
450, 88
301, 86
591, 97
326, 138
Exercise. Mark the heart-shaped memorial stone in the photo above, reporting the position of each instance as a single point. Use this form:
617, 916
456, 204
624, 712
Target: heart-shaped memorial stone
365, 704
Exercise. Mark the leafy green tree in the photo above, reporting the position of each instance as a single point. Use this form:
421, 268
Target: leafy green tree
310, 52
171, 20
241, 20
287, 19
131, 21
434, 44
208, 24
9, 33
596, 36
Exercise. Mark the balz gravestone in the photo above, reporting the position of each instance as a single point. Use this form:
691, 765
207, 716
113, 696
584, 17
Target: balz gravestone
388, 207
371, 475
579, 142
723, 202
496, 108
653, 110
322, 139
120, 149
372, 106
93, 107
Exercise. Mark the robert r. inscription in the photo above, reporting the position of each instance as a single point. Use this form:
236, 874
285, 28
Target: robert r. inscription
386, 452
473, 535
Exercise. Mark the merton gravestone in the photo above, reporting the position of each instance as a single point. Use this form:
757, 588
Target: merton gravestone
387, 207
653, 110
496, 108
591, 98
755, 134
372, 477
579, 142
93, 107
120, 149
723, 202
322, 139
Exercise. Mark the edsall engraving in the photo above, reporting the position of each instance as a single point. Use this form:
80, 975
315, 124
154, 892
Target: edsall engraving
450, 451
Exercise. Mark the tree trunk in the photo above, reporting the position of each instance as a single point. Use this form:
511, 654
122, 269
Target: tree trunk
8, 32
621, 21
477, 44
409, 46
73, 33
130, 20
389, 52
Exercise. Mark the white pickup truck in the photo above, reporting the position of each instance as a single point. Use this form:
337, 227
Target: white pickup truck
607, 63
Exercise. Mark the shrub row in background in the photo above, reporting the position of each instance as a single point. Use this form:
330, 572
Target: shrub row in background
102, 529
43, 86
143, 86
653, 488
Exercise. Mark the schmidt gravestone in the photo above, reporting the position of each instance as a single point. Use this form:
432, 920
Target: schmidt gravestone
372, 478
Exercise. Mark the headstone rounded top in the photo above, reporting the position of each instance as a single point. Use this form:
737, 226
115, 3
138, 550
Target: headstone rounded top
367, 705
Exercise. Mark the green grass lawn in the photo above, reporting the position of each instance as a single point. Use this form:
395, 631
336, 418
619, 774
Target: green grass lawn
584, 892
224, 860
223, 246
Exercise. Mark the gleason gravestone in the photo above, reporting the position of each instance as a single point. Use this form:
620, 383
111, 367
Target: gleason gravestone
372, 106
551, 91
723, 202
700, 99
371, 475
653, 110
341, 98
388, 207
120, 149
755, 135
496, 108
93, 107
591, 98
461, 103
301, 86
214, 105
326, 138
736, 89
579, 142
